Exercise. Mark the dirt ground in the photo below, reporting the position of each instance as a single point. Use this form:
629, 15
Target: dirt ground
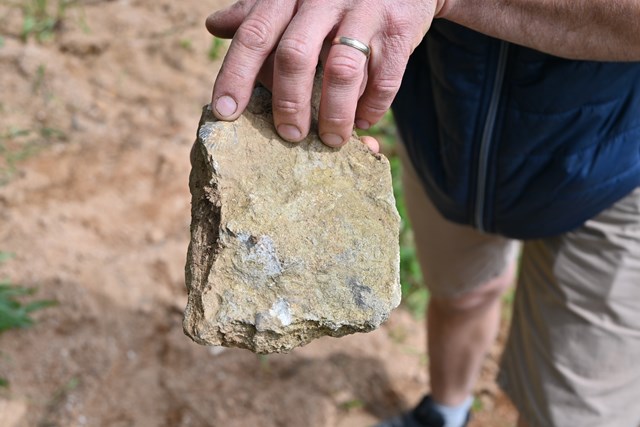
97, 216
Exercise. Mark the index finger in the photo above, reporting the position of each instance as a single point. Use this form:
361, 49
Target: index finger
252, 43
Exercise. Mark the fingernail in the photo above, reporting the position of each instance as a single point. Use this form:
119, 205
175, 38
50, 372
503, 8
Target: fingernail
332, 139
290, 132
363, 124
226, 106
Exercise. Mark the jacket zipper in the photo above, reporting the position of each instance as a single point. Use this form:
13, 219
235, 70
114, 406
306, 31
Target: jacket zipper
487, 137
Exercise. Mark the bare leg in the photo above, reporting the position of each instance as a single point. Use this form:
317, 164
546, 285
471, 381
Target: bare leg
460, 332
476, 266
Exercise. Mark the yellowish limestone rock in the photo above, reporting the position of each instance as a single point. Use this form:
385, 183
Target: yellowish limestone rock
289, 242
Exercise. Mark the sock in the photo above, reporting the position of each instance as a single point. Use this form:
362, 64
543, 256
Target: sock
455, 416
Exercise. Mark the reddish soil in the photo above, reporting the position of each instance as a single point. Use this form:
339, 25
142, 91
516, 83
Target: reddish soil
98, 219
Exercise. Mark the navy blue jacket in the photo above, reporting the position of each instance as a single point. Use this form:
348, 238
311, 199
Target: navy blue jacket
515, 141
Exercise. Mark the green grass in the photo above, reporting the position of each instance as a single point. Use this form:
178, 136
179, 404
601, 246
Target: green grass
20, 143
352, 405
414, 294
217, 48
42, 18
186, 44
17, 145
14, 311
16, 306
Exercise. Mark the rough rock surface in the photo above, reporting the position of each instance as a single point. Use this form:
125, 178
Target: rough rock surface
289, 242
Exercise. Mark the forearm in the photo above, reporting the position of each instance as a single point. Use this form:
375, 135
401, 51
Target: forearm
577, 29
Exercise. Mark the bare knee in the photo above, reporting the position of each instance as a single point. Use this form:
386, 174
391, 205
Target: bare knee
480, 297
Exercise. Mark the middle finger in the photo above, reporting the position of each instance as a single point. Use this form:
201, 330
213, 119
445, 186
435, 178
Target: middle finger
296, 58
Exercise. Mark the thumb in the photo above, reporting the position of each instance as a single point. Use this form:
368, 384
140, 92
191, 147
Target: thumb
225, 22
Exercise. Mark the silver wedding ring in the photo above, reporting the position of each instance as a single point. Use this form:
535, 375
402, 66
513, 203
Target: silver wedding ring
356, 44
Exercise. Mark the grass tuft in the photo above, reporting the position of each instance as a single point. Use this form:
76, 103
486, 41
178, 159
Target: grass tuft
16, 306
216, 50
42, 18
17, 145
14, 312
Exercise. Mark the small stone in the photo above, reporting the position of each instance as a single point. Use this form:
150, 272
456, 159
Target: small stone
289, 242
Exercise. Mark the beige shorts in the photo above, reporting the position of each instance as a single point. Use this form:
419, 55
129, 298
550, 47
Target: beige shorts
573, 354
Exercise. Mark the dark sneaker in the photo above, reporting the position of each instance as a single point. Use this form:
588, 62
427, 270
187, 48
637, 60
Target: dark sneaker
423, 415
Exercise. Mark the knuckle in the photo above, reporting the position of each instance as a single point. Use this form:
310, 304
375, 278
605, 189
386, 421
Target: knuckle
385, 89
255, 34
399, 43
399, 32
338, 122
235, 73
375, 109
379, 96
398, 20
287, 106
293, 55
344, 70
396, 25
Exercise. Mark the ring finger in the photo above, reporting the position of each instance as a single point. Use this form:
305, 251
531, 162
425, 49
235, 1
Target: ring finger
344, 73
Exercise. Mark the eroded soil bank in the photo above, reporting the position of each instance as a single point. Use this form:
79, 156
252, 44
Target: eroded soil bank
97, 217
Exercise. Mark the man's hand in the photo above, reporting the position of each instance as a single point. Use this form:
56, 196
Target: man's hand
279, 42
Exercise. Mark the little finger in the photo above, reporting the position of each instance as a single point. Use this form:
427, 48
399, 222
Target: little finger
386, 69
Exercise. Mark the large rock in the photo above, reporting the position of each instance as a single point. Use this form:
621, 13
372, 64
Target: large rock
289, 242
